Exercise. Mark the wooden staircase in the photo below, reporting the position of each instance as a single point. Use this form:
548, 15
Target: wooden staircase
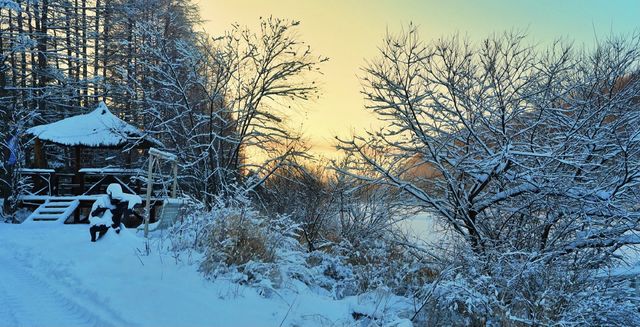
56, 209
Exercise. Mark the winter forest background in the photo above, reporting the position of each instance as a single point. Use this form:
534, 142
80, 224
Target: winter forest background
526, 157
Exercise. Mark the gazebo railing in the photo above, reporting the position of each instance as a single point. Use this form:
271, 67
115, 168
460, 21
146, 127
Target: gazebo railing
41, 181
85, 182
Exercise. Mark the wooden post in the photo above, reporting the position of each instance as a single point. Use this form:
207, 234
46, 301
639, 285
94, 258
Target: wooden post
128, 165
76, 215
174, 190
78, 158
147, 208
39, 154
77, 189
81, 177
55, 181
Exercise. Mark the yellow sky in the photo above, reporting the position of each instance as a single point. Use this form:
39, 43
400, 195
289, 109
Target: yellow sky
349, 31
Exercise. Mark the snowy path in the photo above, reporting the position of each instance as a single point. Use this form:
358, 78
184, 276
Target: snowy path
51, 275
27, 299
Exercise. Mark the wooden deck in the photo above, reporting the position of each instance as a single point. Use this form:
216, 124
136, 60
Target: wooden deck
85, 186
81, 212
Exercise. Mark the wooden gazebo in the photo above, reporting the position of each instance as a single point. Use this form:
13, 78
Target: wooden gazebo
88, 140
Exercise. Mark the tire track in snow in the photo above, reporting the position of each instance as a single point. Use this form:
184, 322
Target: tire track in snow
30, 300
7, 313
31, 303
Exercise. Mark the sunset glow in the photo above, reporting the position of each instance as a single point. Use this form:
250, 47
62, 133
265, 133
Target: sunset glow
349, 32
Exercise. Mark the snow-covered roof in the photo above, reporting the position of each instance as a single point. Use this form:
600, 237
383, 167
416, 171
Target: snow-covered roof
99, 128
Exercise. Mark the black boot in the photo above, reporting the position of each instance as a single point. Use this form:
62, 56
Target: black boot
99, 230
92, 231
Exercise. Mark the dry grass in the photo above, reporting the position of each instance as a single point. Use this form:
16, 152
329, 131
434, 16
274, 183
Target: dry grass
236, 240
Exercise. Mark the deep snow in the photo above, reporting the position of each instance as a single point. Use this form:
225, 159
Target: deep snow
51, 275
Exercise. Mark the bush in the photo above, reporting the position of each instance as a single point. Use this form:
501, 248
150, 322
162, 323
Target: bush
380, 263
234, 238
238, 242
237, 239
516, 289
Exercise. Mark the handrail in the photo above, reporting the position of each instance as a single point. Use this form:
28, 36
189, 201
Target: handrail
36, 171
115, 170
164, 155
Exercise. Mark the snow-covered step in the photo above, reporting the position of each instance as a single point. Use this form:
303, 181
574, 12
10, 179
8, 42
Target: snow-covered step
49, 214
44, 216
54, 210
60, 204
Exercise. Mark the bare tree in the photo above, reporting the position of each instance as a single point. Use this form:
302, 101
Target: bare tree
268, 73
214, 99
530, 155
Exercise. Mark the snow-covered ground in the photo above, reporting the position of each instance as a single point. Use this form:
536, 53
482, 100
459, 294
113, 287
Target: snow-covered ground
51, 275
422, 227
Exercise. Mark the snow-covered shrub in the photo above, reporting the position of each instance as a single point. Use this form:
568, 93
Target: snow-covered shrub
590, 308
515, 289
234, 238
237, 239
187, 235
381, 263
324, 273
306, 194
237, 242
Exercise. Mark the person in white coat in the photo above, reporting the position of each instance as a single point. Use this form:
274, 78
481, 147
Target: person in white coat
107, 211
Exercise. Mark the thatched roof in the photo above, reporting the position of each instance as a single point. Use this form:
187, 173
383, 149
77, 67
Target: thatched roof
97, 129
